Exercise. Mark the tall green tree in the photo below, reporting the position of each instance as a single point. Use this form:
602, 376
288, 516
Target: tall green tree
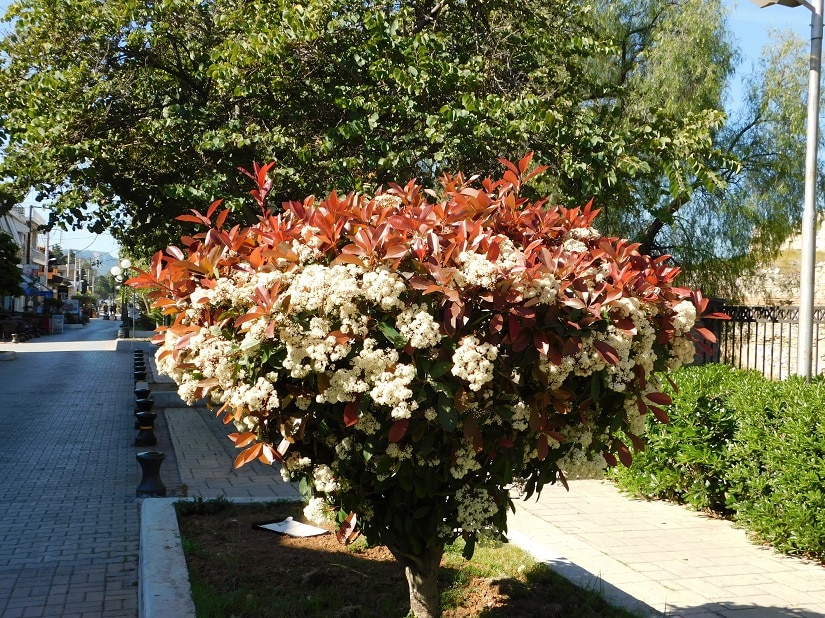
761, 205
124, 114
11, 277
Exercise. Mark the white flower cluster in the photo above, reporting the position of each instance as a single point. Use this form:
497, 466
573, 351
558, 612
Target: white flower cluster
473, 361
685, 317
294, 465
396, 452
310, 350
545, 288
577, 464
366, 368
317, 511
258, 397
324, 479
465, 460
390, 388
384, 288
476, 269
475, 508
385, 201
417, 326
521, 416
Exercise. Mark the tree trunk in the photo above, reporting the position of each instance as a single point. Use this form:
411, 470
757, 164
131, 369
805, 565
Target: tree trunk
422, 579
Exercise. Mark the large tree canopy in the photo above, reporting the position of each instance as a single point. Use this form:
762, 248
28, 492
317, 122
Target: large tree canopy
123, 114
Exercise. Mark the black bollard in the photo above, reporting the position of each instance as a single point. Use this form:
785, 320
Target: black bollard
142, 392
146, 429
150, 484
144, 404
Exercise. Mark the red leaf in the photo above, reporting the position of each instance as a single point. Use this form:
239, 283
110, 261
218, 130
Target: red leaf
638, 443
212, 208
351, 414
189, 218
175, 253
242, 439
661, 399
624, 453
660, 414
563, 479
708, 335
542, 447
347, 531
396, 250
607, 352
716, 315
398, 430
248, 455
514, 327
541, 342
347, 259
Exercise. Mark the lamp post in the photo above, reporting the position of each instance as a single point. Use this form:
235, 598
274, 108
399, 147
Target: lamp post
808, 257
120, 273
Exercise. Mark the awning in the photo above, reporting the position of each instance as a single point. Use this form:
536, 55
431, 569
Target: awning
32, 287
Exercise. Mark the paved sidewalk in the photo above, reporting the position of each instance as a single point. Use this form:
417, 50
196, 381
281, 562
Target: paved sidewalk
70, 522
661, 559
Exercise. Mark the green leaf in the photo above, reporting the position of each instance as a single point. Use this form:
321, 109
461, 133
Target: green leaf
440, 368
392, 335
447, 415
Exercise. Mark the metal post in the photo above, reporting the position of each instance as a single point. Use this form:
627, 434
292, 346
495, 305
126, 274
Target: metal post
809, 227
804, 348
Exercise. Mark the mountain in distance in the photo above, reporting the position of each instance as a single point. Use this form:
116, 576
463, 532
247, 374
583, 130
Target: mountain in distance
101, 262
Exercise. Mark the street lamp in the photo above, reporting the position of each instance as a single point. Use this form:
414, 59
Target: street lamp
120, 273
808, 257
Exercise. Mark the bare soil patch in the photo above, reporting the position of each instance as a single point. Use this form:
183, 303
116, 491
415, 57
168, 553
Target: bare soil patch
238, 571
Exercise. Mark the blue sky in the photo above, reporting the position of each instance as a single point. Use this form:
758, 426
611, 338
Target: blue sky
750, 25
752, 29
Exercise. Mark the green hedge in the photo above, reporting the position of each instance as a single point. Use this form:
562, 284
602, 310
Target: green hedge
743, 446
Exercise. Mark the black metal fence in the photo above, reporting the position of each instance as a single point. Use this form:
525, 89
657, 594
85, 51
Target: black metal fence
763, 338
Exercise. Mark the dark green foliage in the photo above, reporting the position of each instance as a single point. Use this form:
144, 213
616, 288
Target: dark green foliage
122, 115
745, 447
199, 506
11, 277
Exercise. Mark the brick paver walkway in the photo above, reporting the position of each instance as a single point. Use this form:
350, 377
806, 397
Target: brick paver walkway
69, 534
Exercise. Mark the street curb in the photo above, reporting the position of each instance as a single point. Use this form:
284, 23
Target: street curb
164, 588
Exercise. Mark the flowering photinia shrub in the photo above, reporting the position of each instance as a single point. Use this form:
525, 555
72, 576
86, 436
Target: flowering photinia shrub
410, 356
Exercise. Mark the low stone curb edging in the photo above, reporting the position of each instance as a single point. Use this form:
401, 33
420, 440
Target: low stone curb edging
164, 588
